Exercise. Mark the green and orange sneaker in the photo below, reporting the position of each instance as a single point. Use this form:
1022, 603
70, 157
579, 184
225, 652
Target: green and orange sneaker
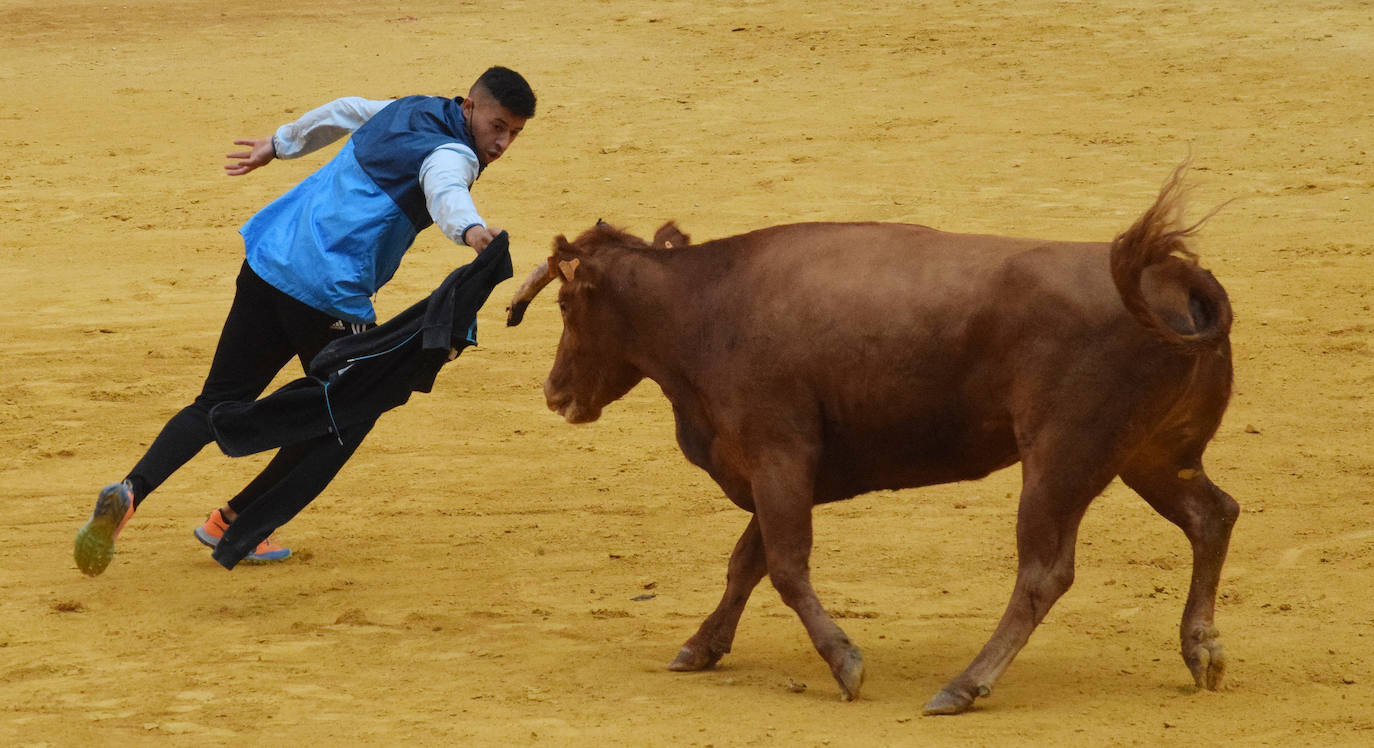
95, 540
213, 529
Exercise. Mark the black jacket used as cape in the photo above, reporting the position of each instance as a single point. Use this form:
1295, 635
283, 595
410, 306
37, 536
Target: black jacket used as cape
357, 378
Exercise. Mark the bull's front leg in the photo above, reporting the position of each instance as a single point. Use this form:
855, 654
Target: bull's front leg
712, 641
783, 501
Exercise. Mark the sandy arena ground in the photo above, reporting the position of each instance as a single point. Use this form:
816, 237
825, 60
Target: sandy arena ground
474, 576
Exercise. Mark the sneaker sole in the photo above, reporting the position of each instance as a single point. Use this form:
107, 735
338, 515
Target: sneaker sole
252, 558
259, 560
206, 537
95, 540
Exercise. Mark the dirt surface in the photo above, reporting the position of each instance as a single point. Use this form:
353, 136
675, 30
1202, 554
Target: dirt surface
485, 574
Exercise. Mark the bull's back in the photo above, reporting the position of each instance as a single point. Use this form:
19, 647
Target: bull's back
822, 297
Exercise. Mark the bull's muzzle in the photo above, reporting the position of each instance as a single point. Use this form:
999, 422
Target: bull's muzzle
565, 405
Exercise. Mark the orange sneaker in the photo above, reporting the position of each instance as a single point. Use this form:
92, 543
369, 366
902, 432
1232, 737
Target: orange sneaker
213, 529
95, 540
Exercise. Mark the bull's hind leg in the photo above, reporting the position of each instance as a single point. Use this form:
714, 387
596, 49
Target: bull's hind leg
1054, 497
712, 641
1181, 492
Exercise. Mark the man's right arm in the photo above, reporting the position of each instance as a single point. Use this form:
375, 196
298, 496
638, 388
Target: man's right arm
314, 130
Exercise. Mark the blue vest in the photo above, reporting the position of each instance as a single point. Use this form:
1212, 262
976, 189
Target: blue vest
339, 235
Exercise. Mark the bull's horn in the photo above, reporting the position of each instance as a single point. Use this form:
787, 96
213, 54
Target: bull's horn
528, 290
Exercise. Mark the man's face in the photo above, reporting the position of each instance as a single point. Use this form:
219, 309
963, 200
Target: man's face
493, 126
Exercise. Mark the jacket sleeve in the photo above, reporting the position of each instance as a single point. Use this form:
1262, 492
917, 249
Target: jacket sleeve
446, 176
319, 127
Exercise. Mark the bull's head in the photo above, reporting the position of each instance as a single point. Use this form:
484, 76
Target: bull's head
593, 367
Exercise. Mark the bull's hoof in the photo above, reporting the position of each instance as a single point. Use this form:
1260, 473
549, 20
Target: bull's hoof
1207, 662
850, 674
952, 701
947, 703
689, 660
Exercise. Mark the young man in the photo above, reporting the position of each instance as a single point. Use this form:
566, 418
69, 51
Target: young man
314, 258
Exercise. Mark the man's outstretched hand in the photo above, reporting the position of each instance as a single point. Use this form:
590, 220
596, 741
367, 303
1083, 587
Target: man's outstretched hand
479, 236
261, 152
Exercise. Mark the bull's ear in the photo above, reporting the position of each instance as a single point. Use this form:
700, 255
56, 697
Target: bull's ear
669, 236
559, 266
567, 268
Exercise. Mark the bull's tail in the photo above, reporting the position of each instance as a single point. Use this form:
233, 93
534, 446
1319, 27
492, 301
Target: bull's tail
1158, 235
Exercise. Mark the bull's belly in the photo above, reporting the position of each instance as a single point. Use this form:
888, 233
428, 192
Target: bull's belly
890, 461
905, 447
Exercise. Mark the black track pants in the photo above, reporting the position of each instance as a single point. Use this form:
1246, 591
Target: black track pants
264, 330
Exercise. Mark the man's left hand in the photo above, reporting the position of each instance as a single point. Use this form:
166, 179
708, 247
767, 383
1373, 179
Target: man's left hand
478, 237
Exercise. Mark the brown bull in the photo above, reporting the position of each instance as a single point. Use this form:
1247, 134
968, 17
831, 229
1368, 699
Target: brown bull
814, 362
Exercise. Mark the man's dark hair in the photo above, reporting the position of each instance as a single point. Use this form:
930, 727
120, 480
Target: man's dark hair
509, 89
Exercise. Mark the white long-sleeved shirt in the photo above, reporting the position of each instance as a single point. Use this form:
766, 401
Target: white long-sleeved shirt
446, 174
